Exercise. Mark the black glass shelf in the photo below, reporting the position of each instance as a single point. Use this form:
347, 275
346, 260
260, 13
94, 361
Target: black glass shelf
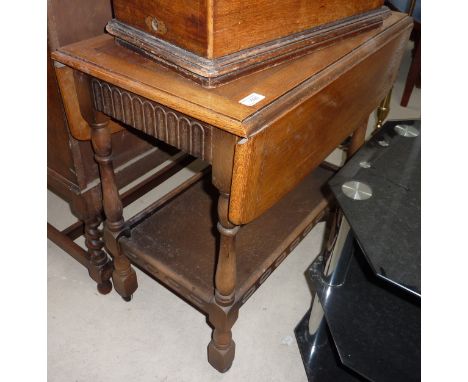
376, 329
319, 355
387, 225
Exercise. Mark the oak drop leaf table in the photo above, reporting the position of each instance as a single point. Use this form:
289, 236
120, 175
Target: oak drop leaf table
264, 134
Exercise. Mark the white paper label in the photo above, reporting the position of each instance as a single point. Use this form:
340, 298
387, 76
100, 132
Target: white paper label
251, 99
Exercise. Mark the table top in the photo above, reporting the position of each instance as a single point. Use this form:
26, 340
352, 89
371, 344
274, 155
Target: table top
388, 224
302, 77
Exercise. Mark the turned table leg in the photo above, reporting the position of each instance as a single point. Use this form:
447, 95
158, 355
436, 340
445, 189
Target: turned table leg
222, 315
88, 208
99, 261
221, 349
123, 275
225, 278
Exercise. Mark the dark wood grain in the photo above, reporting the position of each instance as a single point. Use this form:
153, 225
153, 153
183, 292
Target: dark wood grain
221, 349
214, 29
178, 130
358, 139
64, 242
123, 275
220, 107
72, 172
273, 161
212, 72
236, 26
186, 22
170, 244
214, 243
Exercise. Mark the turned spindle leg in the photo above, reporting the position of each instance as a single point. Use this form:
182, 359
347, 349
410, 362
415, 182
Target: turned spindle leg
123, 275
101, 267
221, 349
225, 278
88, 208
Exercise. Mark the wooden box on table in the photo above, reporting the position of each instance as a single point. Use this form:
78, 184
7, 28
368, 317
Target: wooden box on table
216, 41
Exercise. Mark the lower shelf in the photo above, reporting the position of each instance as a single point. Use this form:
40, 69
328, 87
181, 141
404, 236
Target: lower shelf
177, 243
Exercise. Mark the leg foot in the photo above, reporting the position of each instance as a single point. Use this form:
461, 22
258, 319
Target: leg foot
221, 359
221, 349
100, 269
104, 287
125, 282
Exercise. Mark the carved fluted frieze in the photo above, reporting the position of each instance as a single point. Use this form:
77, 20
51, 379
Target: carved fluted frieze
176, 129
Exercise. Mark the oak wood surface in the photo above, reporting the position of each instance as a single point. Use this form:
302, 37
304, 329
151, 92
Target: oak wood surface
185, 22
216, 28
273, 161
72, 172
237, 26
79, 128
69, 21
60, 158
318, 100
123, 276
154, 119
101, 58
213, 72
260, 156
174, 241
357, 140
71, 167
69, 246
171, 255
